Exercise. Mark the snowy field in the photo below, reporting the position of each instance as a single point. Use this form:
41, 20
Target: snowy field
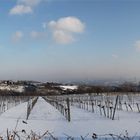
45, 117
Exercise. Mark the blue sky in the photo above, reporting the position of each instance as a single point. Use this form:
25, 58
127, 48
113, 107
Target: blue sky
64, 40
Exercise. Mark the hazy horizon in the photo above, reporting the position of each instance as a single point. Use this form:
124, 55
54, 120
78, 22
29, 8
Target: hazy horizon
58, 40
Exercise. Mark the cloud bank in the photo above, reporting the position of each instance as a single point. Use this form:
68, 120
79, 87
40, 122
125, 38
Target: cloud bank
63, 31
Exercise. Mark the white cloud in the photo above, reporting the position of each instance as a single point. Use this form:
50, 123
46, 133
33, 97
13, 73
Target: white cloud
62, 37
65, 28
24, 7
37, 35
20, 9
71, 24
17, 36
137, 45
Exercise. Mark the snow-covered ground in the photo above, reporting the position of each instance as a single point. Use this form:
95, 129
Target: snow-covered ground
45, 117
15, 88
68, 87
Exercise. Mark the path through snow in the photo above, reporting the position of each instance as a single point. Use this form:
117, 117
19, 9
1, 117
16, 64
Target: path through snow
45, 117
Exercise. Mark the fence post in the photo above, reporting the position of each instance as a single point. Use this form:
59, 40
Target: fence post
115, 107
87, 105
120, 104
126, 106
138, 107
28, 108
104, 110
111, 108
68, 107
130, 107
92, 106
107, 106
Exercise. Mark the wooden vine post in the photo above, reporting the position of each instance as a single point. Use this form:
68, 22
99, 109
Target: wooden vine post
28, 109
30, 105
115, 107
68, 107
138, 107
